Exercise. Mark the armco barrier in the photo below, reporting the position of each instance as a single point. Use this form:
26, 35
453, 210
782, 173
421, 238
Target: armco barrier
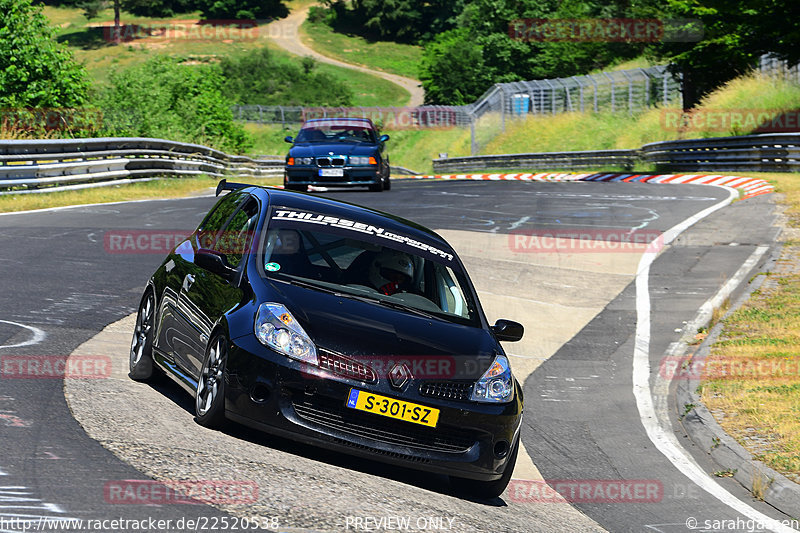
768, 152
49, 165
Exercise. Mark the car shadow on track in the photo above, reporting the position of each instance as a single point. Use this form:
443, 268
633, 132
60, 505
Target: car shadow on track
433, 482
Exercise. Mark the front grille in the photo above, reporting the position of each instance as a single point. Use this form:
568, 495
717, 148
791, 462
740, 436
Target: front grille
393, 455
334, 415
344, 366
447, 390
330, 161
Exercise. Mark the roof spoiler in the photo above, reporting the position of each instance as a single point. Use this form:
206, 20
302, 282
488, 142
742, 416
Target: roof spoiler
223, 185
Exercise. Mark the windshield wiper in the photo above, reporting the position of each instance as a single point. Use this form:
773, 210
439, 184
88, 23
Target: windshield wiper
309, 285
327, 290
361, 298
405, 307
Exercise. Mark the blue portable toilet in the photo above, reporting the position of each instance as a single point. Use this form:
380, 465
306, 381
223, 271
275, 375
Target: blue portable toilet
520, 104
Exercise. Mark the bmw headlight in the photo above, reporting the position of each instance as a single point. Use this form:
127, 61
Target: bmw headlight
497, 384
304, 160
359, 160
276, 328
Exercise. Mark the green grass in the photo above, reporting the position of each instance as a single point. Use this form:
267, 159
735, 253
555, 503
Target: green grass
163, 188
368, 90
637, 62
395, 58
100, 56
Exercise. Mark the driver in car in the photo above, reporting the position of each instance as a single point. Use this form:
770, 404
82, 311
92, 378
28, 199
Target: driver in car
391, 271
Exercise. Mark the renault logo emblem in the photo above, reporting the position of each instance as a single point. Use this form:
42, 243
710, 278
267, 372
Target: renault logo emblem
399, 376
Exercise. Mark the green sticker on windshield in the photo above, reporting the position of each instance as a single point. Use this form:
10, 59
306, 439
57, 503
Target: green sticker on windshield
272, 267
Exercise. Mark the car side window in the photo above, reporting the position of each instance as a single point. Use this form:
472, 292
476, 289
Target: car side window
235, 240
209, 229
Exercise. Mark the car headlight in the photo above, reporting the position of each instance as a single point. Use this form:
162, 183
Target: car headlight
497, 384
304, 160
360, 160
276, 328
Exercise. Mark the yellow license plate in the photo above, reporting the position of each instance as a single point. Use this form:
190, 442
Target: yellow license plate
384, 406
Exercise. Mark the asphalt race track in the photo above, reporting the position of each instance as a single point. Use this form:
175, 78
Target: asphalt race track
64, 283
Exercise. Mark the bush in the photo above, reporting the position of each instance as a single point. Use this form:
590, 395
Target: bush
165, 99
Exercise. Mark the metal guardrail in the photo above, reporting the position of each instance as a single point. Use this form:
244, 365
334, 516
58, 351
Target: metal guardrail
62, 164
545, 161
769, 152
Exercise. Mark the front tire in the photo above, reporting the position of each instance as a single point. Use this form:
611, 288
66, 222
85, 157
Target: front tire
140, 363
487, 490
210, 395
377, 187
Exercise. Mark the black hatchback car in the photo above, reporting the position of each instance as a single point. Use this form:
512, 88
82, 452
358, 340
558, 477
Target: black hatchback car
337, 152
338, 326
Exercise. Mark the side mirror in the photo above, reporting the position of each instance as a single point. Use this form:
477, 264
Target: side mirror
384, 138
288, 139
508, 330
215, 263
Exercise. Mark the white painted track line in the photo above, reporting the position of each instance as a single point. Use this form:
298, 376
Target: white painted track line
665, 441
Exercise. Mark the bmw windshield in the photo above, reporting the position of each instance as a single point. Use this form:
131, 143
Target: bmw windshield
364, 262
327, 131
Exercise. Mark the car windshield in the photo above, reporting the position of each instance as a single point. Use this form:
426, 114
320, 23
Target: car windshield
325, 131
382, 267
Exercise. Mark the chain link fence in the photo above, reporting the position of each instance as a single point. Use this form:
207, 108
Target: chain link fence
770, 65
630, 91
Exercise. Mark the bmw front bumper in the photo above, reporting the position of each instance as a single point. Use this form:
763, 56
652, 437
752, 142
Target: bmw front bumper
353, 176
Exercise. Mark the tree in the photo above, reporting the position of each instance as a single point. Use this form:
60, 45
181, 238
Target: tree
453, 70
735, 34
406, 21
242, 9
36, 71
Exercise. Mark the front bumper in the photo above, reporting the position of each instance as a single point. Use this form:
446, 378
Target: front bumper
353, 176
278, 395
